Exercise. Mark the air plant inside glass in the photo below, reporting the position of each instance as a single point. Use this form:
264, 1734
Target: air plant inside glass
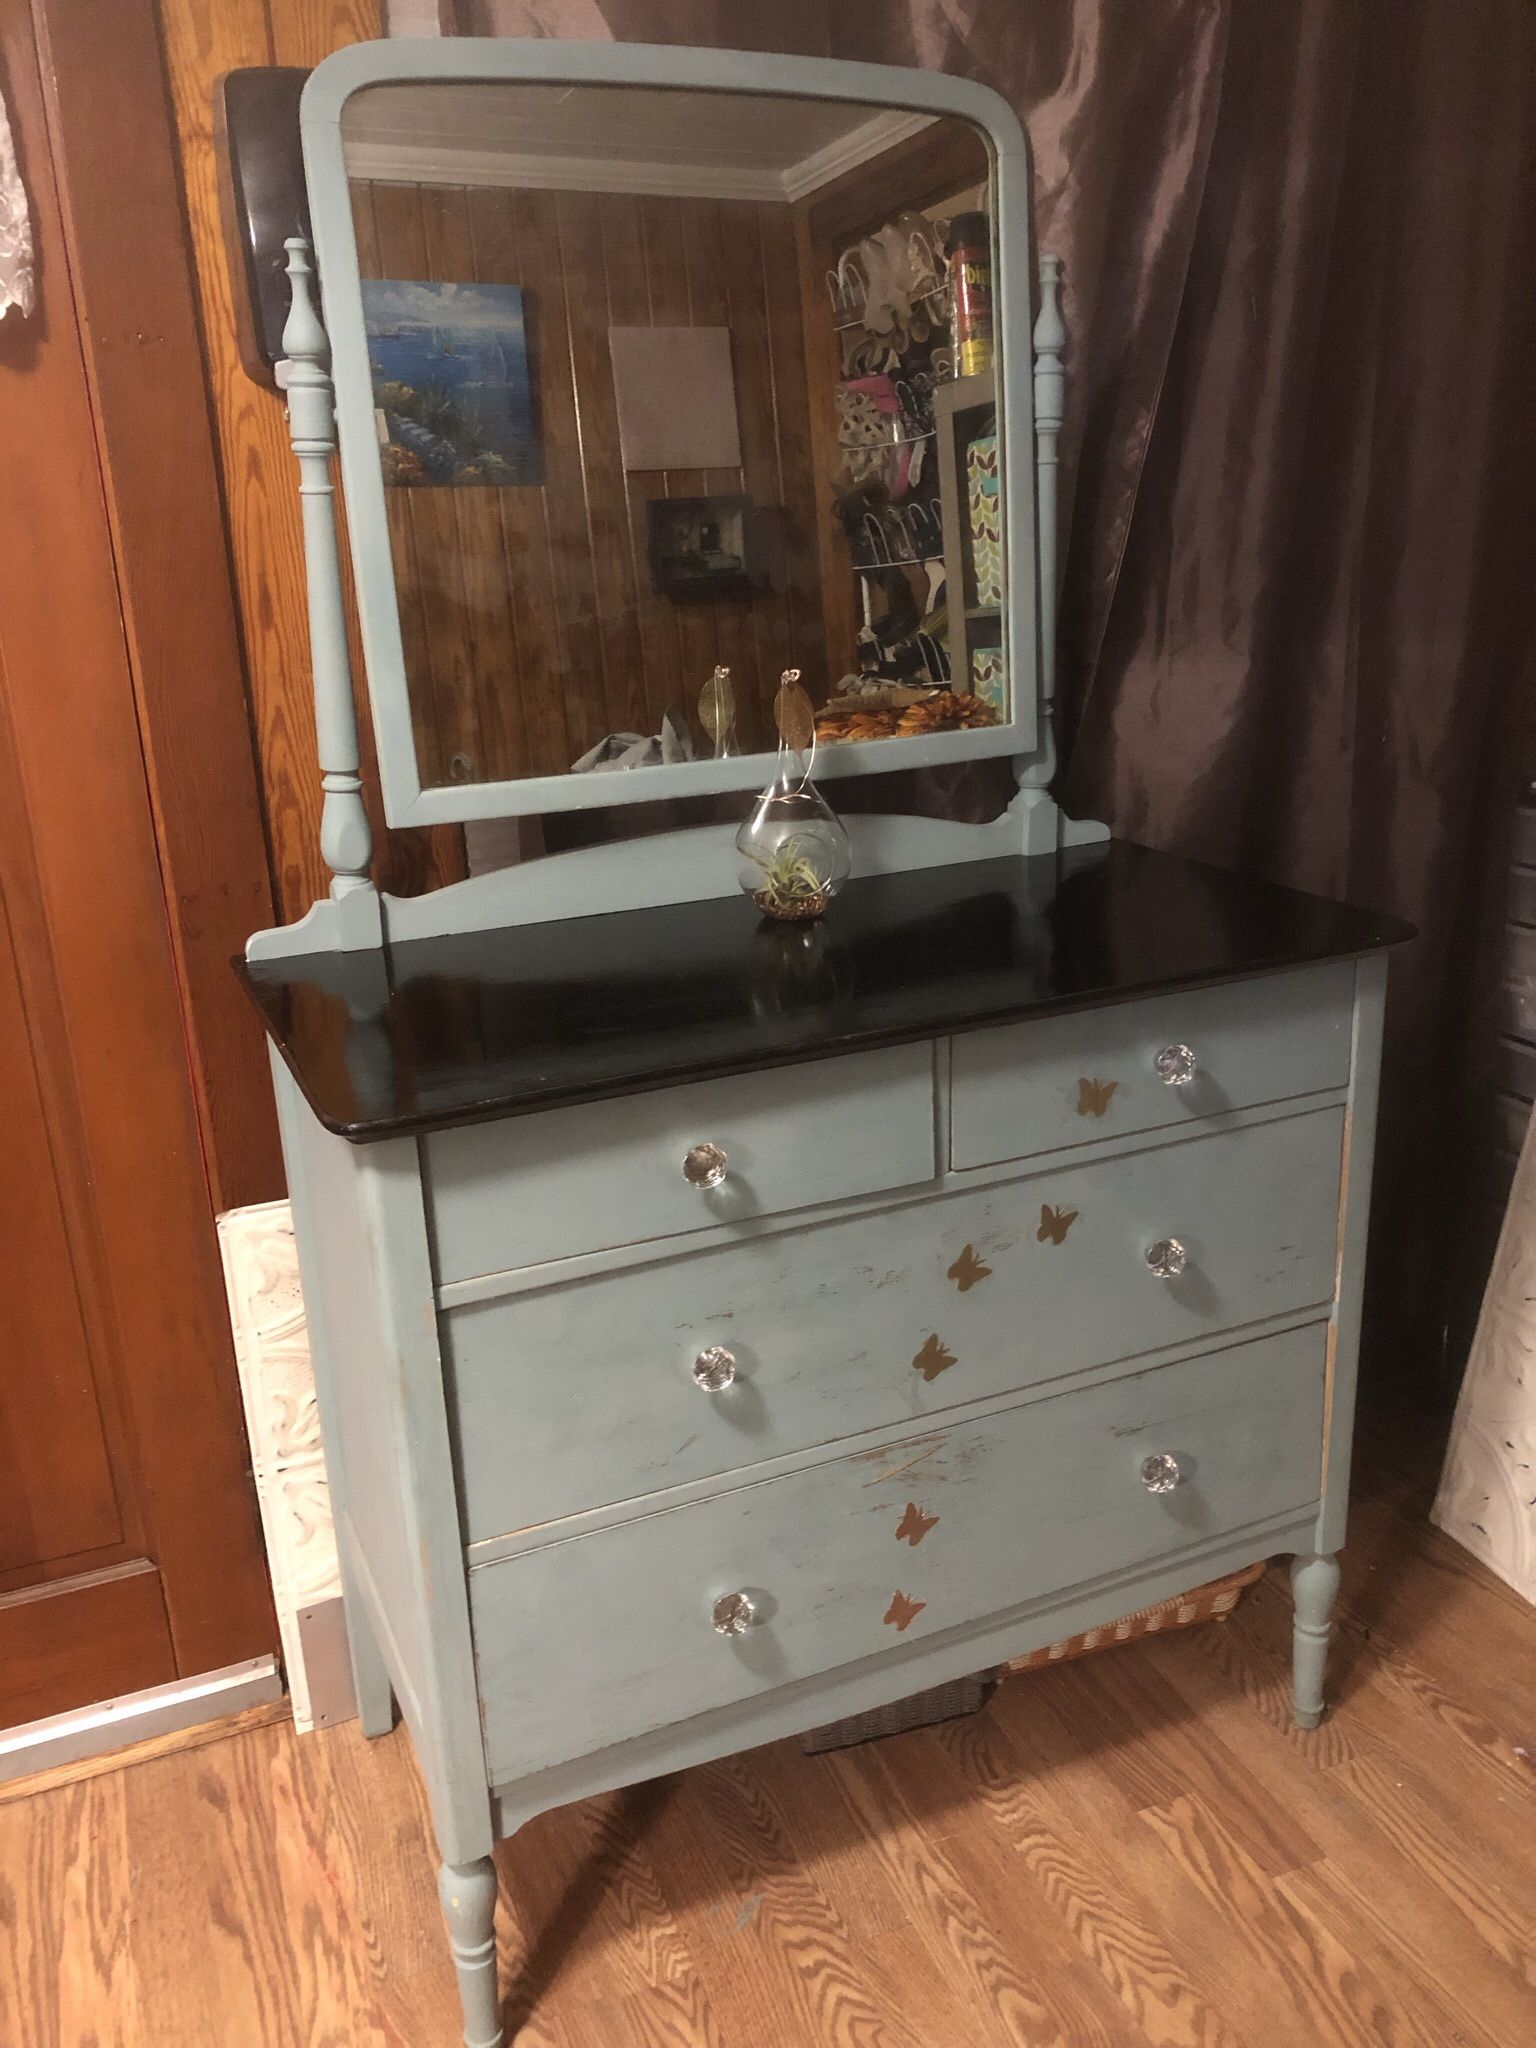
794, 852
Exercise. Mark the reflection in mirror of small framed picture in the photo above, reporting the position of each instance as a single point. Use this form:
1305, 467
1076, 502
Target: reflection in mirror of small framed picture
452, 392
699, 547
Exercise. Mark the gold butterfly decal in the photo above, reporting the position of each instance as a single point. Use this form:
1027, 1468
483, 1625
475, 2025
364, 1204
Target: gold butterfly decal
1093, 1096
914, 1526
1054, 1224
902, 1612
968, 1269
934, 1358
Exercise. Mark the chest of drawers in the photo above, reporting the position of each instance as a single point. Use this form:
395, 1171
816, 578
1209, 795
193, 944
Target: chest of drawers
668, 1418
721, 1329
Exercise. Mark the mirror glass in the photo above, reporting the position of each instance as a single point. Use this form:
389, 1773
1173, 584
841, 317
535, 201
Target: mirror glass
674, 390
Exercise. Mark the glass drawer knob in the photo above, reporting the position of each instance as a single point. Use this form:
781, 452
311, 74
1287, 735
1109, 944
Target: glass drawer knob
1167, 1258
1175, 1065
1160, 1472
734, 1614
714, 1368
704, 1166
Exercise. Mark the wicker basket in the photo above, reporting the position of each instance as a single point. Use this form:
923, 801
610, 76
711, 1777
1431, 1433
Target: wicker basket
1213, 1601
920, 1710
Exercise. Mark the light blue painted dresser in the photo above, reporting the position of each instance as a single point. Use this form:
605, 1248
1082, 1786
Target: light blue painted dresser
720, 1330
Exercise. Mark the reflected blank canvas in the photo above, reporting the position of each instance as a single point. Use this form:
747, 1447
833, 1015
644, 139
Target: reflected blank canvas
676, 395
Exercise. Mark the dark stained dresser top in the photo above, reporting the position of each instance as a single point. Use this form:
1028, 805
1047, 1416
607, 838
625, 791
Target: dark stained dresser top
437, 1032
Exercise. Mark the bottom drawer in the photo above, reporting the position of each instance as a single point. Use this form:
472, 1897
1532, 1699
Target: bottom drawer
589, 1641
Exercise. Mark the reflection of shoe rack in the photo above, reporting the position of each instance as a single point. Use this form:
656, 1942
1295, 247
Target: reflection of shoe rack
965, 415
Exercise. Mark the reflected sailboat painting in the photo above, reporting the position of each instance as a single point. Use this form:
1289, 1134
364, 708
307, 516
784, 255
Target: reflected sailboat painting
452, 391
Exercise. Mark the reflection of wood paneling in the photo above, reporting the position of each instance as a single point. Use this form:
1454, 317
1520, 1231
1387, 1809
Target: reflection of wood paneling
926, 168
531, 626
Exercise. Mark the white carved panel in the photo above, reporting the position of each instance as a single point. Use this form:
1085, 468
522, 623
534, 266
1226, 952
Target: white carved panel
266, 1310
1487, 1497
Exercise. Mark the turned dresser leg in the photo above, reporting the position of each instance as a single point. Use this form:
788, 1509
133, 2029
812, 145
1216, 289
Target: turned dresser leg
468, 1893
1315, 1585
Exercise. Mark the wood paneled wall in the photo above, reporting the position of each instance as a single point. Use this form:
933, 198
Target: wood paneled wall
530, 624
201, 42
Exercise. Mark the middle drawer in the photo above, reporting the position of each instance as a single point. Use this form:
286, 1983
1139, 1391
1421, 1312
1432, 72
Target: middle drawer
574, 1397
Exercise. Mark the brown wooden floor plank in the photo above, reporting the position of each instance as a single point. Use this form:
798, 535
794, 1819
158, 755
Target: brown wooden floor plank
717, 1898
1144, 1739
968, 1899
1430, 1883
333, 1964
1070, 1827
825, 1832
212, 1950
1438, 1620
832, 1998
1386, 1706
589, 1911
1340, 2002
1377, 1979
1087, 1802
1451, 2005
1137, 1850
66, 1892
381, 1815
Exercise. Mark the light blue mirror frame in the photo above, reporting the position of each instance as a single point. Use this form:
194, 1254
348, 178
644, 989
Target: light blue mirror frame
467, 60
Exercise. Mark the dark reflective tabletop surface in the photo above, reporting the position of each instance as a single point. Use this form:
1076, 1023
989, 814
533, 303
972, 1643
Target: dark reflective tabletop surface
445, 1031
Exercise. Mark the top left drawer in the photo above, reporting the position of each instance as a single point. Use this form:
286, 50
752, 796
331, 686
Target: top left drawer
565, 1181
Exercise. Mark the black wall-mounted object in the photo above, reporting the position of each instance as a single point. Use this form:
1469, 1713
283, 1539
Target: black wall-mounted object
261, 201
700, 547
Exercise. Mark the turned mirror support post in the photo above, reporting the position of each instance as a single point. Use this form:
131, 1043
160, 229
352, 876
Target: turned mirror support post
346, 840
1050, 403
1044, 828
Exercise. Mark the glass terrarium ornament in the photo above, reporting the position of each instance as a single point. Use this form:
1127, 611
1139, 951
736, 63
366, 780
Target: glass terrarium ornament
794, 852
717, 713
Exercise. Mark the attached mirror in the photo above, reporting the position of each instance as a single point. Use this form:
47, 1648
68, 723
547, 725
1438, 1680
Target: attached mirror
669, 389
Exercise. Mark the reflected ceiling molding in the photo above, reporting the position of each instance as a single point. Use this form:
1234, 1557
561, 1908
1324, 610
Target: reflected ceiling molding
390, 157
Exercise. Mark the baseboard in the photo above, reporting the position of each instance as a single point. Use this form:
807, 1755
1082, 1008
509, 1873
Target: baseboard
158, 1710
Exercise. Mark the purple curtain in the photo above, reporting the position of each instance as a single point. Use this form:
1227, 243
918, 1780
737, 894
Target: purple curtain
1300, 466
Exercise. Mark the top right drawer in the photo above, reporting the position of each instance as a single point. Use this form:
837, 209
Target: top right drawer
1019, 1089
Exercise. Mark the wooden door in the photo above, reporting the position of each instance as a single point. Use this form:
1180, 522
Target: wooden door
129, 1552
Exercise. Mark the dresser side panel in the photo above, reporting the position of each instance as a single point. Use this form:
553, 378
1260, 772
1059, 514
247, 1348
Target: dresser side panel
361, 1235
1354, 1229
